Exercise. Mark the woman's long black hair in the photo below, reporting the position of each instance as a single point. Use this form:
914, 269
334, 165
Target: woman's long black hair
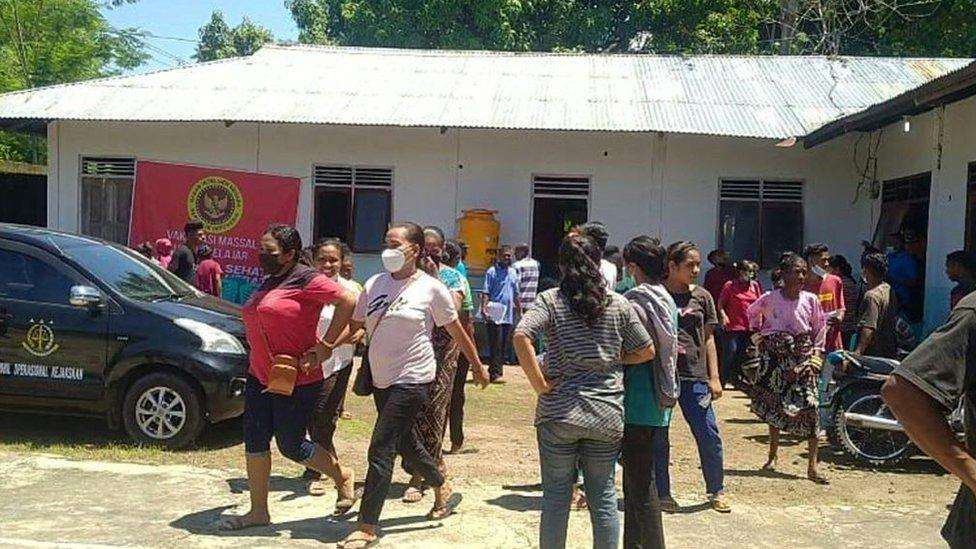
582, 283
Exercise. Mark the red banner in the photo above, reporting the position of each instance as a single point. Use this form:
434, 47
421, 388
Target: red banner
235, 207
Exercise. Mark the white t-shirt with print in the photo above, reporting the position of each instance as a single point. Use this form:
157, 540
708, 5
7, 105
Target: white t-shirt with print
400, 348
343, 354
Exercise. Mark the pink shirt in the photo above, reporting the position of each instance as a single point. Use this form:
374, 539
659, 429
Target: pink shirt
735, 300
281, 318
773, 312
207, 272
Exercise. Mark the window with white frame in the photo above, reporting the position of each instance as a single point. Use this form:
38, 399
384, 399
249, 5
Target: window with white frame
353, 203
760, 219
106, 197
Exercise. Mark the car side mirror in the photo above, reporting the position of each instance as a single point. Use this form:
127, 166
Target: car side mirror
86, 297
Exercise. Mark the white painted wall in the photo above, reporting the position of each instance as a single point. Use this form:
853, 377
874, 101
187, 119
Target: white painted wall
903, 154
665, 185
695, 164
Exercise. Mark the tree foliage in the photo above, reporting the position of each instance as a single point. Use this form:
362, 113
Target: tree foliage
218, 40
44, 42
891, 27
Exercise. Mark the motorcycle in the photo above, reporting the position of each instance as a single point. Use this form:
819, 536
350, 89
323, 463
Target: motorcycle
859, 420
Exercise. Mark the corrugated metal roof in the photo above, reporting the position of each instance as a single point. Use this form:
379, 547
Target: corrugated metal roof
752, 96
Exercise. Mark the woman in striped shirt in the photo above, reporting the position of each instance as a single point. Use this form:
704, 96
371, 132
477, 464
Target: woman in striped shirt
590, 334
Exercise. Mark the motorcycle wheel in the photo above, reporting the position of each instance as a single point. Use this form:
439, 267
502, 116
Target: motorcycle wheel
875, 447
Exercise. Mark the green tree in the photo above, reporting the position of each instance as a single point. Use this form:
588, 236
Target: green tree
218, 40
719, 26
890, 27
949, 31
45, 42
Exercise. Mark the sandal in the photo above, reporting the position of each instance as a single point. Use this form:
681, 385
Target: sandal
343, 506
316, 488
348, 487
242, 522
450, 503
413, 495
358, 540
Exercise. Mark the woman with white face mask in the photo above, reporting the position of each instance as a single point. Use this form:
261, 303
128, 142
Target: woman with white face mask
400, 309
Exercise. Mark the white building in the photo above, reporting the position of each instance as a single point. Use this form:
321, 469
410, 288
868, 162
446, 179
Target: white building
710, 149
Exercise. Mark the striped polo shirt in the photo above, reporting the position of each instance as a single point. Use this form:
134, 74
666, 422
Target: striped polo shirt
528, 281
582, 361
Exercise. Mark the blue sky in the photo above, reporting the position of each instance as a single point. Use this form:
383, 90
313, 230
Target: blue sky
181, 19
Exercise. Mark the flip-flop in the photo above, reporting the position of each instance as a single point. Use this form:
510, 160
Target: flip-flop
413, 495
448, 509
343, 506
235, 524
316, 488
357, 543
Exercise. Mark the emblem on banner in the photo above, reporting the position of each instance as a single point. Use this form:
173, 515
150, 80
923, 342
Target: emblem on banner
39, 340
217, 203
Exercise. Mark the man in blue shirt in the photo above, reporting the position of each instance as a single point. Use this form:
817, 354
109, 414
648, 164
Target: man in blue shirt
903, 275
499, 306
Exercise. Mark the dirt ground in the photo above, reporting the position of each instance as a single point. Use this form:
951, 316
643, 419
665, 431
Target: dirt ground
83, 466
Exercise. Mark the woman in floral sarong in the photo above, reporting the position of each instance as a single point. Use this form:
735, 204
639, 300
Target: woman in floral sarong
432, 419
791, 331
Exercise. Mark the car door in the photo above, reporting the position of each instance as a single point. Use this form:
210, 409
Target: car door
48, 348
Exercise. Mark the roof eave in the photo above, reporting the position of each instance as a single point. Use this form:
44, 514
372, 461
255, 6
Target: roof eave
35, 126
946, 89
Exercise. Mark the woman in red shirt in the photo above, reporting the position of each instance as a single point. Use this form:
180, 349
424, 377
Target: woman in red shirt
280, 318
736, 297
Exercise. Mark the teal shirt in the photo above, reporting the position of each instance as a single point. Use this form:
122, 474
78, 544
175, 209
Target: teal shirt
641, 403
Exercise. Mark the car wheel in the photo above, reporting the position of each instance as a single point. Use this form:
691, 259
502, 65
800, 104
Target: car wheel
163, 409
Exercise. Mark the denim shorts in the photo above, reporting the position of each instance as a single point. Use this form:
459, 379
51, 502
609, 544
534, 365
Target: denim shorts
285, 418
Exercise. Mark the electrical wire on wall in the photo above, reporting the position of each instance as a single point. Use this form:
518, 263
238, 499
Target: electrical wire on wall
868, 174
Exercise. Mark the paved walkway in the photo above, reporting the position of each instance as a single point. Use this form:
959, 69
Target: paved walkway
50, 502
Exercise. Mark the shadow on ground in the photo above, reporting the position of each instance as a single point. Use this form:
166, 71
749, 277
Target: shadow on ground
48, 430
295, 487
325, 530
914, 465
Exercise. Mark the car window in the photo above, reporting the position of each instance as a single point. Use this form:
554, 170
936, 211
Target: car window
30, 279
128, 274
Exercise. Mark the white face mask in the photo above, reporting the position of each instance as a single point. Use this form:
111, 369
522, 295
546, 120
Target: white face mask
393, 260
819, 271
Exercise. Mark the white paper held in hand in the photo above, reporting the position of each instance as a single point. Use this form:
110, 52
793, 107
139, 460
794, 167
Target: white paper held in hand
496, 311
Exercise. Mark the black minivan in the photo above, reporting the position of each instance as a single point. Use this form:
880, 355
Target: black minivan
89, 327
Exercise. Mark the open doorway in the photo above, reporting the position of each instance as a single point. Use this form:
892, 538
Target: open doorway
558, 204
905, 211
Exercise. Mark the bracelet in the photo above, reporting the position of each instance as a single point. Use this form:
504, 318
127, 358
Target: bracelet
327, 345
